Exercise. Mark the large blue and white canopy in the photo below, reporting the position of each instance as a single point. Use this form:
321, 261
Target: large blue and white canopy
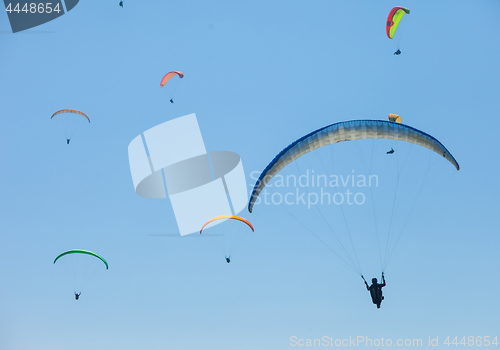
347, 131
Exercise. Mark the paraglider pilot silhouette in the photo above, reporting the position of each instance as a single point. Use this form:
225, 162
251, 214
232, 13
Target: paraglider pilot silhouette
376, 290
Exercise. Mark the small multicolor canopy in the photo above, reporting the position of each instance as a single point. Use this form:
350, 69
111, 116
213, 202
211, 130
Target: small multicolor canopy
395, 118
234, 217
393, 20
70, 111
169, 76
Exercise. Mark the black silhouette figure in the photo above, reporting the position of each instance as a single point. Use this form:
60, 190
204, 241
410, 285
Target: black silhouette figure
391, 151
376, 290
77, 295
398, 52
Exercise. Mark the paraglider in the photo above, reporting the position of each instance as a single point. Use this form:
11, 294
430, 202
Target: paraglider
121, 3
79, 274
168, 77
393, 20
229, 240
70, 120
397, 119
342, 228
376, 290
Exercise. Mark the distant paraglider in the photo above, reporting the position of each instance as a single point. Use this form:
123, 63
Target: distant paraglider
397, 119
393, 20
80, 267
70, 121
232, 237
169, 76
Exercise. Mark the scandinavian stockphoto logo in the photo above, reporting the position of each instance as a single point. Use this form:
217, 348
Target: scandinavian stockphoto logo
28, 14
312, 188
201, 185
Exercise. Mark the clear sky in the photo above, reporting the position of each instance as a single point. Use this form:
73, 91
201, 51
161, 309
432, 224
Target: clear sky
258, 75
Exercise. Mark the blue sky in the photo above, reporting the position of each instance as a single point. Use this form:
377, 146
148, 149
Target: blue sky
258, 75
